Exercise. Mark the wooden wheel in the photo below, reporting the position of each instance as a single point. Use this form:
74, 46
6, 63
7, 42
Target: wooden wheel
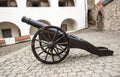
50, 45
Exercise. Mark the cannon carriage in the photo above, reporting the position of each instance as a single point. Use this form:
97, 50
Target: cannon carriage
51, 44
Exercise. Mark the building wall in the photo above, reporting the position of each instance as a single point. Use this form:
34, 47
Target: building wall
54, 14
112, 15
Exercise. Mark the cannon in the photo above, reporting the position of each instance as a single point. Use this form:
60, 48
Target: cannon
50, 44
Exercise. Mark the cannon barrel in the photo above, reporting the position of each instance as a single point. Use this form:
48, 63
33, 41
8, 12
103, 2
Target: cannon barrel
33, 22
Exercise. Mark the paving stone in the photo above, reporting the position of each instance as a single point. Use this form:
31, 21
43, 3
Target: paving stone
76, 69
63, 74
2, 76
72, 74
95, 75
20, 75
98, 71
85, 75
68, 70
89, 72
80, 73
105, 75
114, 73
12, 75
117, 76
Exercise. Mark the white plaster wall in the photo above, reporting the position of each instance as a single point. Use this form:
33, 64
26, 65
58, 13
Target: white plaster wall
9, 41
53, 14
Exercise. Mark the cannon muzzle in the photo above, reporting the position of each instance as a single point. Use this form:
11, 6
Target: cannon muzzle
32, 22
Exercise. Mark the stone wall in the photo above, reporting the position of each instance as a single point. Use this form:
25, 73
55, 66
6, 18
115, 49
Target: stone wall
112, 15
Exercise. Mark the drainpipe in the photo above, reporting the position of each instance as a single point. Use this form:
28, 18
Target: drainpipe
86, 20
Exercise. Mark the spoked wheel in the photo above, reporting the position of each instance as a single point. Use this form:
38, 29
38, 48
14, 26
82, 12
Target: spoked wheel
50, 45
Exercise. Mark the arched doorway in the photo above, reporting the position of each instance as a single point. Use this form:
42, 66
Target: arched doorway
69, 25
66, 3
45, 22
8, 3
91, 12
99, 20
33, 30
38, 3
8, 29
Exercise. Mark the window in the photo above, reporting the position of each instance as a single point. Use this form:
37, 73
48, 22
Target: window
63, 3
12, 3
8, 3
6, 33
37, 3
3, 4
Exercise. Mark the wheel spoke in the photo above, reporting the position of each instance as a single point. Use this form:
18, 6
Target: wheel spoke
40, 53
47, 55
52, 55
49, 35
44, 36
55, 34
37, 40
41, 41
44, 42
43, 51
57, 53
53, 58
59, 38
58, 49
63, 43
41, 46
61, 47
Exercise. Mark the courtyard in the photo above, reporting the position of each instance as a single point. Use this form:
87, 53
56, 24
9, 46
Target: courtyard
78, 63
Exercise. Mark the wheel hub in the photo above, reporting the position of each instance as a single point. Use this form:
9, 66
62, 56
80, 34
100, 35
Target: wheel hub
51, 44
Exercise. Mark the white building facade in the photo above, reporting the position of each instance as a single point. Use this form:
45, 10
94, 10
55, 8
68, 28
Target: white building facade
71, 14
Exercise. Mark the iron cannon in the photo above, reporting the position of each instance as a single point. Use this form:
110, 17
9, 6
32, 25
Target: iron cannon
50, 44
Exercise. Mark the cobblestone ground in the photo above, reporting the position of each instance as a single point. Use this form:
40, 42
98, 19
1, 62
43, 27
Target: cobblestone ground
78, 63
4, 50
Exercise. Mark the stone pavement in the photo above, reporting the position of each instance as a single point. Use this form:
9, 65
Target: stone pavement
78, 63
4, 50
